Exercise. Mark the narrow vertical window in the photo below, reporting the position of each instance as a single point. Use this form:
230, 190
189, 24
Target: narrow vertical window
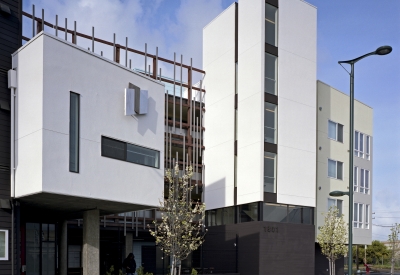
331, 130
367, 216
355, 215
362, 181
355, 177
270, 74
269, 172
367, 146
361, 147
74, 133
339, 205
366, 182
356, 143
270, 25
270, 122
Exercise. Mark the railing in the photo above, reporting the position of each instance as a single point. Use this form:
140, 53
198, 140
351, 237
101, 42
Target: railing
40, 23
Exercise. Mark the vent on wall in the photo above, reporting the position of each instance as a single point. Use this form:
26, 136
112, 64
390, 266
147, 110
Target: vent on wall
136, 100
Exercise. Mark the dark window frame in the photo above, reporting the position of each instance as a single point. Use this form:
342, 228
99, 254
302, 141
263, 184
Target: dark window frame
78, 131
125, 152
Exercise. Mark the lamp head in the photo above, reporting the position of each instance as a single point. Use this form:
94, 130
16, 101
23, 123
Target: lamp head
338, 193
383, 50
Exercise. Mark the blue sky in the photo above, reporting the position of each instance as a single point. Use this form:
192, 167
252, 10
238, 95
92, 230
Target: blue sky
346, 29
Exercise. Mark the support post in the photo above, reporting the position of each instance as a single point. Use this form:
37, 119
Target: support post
64, 248
128, 244
91, 242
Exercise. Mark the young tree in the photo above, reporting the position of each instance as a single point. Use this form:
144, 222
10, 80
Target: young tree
179, 232
394, 244
332, 237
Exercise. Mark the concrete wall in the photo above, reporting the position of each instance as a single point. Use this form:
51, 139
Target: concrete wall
219, 63
297, 57
335, 107
49, 69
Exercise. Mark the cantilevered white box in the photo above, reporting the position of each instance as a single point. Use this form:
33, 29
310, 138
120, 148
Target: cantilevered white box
49, 69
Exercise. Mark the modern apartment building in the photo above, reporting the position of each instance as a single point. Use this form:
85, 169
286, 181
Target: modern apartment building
333, 163
260, 58
92, 138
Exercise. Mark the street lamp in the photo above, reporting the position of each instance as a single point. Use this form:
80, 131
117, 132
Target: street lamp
379, 51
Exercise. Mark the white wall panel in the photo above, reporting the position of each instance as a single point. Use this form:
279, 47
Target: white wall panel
296, 168
101, 84
219, 63
250, 101
297, 28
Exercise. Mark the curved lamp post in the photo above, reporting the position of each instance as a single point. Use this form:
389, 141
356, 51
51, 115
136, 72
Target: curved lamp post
379, 51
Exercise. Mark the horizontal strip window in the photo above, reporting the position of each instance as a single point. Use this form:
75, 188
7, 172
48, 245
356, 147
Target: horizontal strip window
287, 213
251, 212
120, 150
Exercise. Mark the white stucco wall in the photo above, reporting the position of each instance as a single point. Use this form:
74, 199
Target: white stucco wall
250, 101
219, 63
297, 56
49, 69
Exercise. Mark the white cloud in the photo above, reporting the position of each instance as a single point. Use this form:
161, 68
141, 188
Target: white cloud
172, 30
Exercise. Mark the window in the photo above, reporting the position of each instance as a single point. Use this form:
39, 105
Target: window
248, 212
269, 172
335, 131
120, 150
366, 216
361, 180
3, 245
355, 179
367, 147
270, 122
337, 203
275, 212
74, 132
362, 145
270, 74
271, 14
358, 213
335, 169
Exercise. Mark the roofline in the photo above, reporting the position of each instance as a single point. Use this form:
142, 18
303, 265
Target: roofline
344, 94
42, 33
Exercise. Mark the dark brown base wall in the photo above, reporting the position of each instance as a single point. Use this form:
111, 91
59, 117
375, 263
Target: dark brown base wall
260, 248
322, 263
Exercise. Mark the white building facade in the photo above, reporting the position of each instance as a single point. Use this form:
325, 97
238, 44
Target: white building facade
89, 138
260, 59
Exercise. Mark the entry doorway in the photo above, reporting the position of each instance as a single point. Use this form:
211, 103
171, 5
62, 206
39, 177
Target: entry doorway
149, 258
41, 246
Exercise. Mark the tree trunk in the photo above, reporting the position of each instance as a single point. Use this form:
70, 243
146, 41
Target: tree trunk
333, 268
392, 267
180, 269
172, 265
330, 266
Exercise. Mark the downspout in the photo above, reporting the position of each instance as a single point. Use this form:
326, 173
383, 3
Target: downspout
12, 84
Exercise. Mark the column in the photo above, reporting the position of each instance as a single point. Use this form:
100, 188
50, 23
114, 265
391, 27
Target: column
128, 243
91, 242
64, 248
